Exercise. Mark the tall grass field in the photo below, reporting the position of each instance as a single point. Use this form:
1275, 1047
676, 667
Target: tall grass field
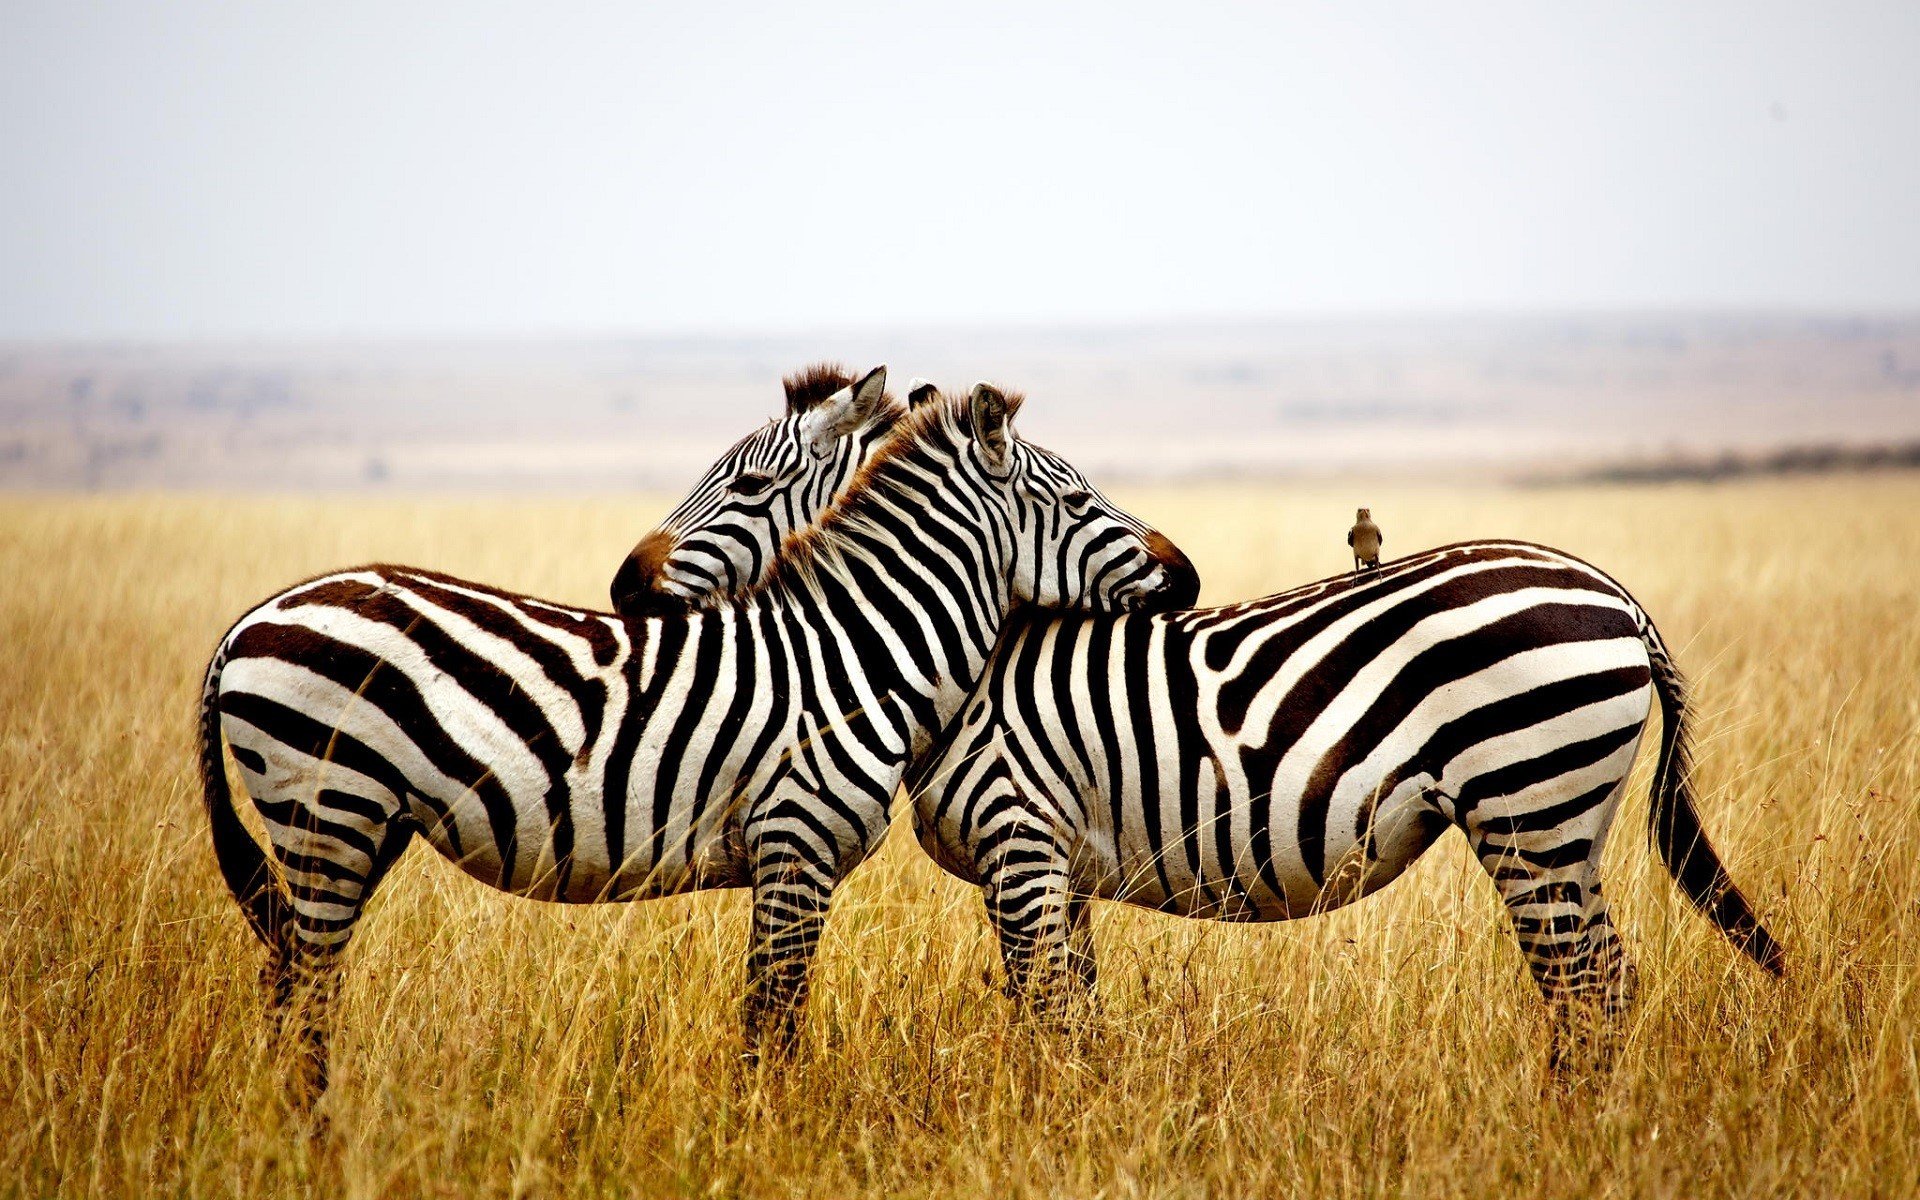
491, 1046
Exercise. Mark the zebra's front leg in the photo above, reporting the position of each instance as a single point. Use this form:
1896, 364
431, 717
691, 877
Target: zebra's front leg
792, 888
1045, 940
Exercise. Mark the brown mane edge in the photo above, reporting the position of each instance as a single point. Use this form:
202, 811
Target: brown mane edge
815, 382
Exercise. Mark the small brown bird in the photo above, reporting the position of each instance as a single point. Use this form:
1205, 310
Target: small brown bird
1365, 538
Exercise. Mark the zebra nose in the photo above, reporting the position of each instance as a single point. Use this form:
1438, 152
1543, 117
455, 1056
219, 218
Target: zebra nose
636, 592
1180, 585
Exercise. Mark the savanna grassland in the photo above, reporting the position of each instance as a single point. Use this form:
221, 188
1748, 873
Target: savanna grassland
493, 1046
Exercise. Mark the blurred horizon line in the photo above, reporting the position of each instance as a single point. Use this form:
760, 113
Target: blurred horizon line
1466, 395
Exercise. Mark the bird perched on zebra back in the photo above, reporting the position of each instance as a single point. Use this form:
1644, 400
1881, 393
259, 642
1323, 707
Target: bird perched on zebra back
1365, 538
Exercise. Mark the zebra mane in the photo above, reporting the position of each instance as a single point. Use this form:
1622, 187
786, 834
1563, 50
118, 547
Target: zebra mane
942, 422
813, 383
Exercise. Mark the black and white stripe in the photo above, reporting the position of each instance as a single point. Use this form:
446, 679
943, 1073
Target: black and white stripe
1268, 760
581, 757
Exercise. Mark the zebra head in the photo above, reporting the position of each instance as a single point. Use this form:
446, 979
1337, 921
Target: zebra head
1073, 547
724, 537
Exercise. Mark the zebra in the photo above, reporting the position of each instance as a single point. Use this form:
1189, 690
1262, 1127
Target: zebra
581, 757
1282, 757
723, 537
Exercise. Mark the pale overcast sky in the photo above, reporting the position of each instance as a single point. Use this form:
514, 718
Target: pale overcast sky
217, 170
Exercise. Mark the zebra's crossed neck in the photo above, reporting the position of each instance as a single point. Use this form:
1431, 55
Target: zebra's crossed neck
721, 540
901, 498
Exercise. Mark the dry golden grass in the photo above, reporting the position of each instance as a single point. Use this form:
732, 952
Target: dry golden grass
495, 1046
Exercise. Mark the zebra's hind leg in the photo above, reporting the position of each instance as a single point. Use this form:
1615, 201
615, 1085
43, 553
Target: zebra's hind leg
1546, 864
301, 982
333, 854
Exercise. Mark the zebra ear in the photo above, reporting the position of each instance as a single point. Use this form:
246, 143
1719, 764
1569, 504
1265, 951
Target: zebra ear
919, 392
844, 411
871, 391
988, 410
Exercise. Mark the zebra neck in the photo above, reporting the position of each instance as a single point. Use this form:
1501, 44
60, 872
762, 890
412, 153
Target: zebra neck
913, 576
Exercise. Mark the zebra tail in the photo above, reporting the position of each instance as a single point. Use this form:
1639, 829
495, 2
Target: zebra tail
261, 896
1675, 823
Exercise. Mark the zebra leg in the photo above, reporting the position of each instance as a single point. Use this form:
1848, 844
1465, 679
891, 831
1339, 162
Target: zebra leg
302, 981
1045, 936
332, 855
791, 892
1549, 879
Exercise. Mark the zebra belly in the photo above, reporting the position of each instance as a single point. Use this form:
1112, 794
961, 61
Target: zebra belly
1176, 884
1252, 879
586, 875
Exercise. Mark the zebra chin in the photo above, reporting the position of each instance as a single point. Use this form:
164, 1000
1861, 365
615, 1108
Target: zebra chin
641, 589
1179, 585
1159, 590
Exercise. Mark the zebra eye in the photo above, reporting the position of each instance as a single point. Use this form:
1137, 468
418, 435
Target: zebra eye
1078, 500
751, 485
